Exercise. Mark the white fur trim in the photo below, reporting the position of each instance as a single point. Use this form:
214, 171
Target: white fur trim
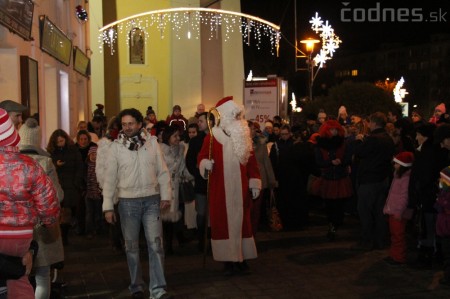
255, 184
202, 168
402, 163
224, 250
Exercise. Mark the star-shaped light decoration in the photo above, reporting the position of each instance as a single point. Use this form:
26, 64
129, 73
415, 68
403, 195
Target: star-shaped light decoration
330, 40
316, 22
399, 92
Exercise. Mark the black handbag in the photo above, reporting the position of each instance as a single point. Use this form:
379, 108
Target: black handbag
186, 192
11, 266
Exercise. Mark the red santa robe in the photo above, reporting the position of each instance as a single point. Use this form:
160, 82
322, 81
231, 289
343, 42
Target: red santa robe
230, 199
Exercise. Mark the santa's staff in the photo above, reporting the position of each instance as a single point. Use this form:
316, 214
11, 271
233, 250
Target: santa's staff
205, 247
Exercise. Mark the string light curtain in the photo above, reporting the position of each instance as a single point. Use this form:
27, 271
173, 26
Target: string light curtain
186, 23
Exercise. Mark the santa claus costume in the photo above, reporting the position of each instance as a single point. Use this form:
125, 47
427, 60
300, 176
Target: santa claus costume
233, 179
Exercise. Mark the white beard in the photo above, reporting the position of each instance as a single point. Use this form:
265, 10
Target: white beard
239, 133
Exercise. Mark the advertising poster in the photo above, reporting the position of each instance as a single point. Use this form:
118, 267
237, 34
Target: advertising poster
261, 100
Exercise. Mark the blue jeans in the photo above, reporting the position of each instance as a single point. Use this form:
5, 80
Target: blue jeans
133, 212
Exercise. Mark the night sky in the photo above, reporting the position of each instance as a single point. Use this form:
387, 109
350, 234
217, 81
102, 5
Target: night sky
359, 31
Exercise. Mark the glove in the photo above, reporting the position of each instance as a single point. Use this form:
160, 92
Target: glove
255, 193
209, 164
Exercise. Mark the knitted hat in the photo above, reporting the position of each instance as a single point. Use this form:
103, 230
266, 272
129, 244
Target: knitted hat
11, 106
404, 159
445, 175
150, 110
441, 107
176, 107
8, 133
30, 133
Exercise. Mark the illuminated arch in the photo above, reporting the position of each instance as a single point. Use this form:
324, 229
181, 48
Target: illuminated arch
188, 20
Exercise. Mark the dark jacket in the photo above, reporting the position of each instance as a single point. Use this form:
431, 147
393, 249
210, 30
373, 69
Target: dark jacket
70, 174
375, 156
424, 181
195, 145
329, 149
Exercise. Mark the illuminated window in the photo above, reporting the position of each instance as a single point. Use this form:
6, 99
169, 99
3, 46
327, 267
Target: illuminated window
354, 73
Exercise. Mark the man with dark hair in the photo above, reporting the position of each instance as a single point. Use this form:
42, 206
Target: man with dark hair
195, 145
14, 110
375, 153
136, 170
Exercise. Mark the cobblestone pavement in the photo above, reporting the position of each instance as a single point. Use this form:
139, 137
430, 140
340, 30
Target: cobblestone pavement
297, 264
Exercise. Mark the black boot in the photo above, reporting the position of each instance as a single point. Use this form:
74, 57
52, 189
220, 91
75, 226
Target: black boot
331, 234
242, 268
228, 269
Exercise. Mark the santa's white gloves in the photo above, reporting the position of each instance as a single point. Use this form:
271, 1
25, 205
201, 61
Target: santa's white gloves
208, 164
255, 193
205, 167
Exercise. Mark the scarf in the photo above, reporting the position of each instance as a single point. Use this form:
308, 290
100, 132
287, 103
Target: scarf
132, 143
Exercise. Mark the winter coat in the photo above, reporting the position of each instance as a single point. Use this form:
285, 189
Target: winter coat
134, 173
174, 157
265, 166
195, 145
397, 200
53, 252
423, 186
70, 174
27, 195
375, 155
443, 216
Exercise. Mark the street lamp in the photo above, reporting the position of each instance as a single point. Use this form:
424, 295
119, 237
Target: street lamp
310, 42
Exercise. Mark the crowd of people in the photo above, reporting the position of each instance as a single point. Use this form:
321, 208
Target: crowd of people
126, 173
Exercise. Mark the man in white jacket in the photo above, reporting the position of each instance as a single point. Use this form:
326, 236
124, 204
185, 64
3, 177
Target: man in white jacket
136, 170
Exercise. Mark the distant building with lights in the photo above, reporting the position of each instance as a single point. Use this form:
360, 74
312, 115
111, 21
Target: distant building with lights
425, 68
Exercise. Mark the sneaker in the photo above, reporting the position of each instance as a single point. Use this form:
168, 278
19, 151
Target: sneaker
390, 261
162, 295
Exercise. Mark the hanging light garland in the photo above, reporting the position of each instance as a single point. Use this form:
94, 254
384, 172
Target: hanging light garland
181, 20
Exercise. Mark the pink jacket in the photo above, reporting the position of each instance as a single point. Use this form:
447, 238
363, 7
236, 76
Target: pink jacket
27, 195
397, 200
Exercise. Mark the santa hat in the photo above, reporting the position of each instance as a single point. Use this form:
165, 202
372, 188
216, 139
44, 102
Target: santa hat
441, 107
404, 159
445, 175
227, 106
342, 110
30, 133
8, 134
